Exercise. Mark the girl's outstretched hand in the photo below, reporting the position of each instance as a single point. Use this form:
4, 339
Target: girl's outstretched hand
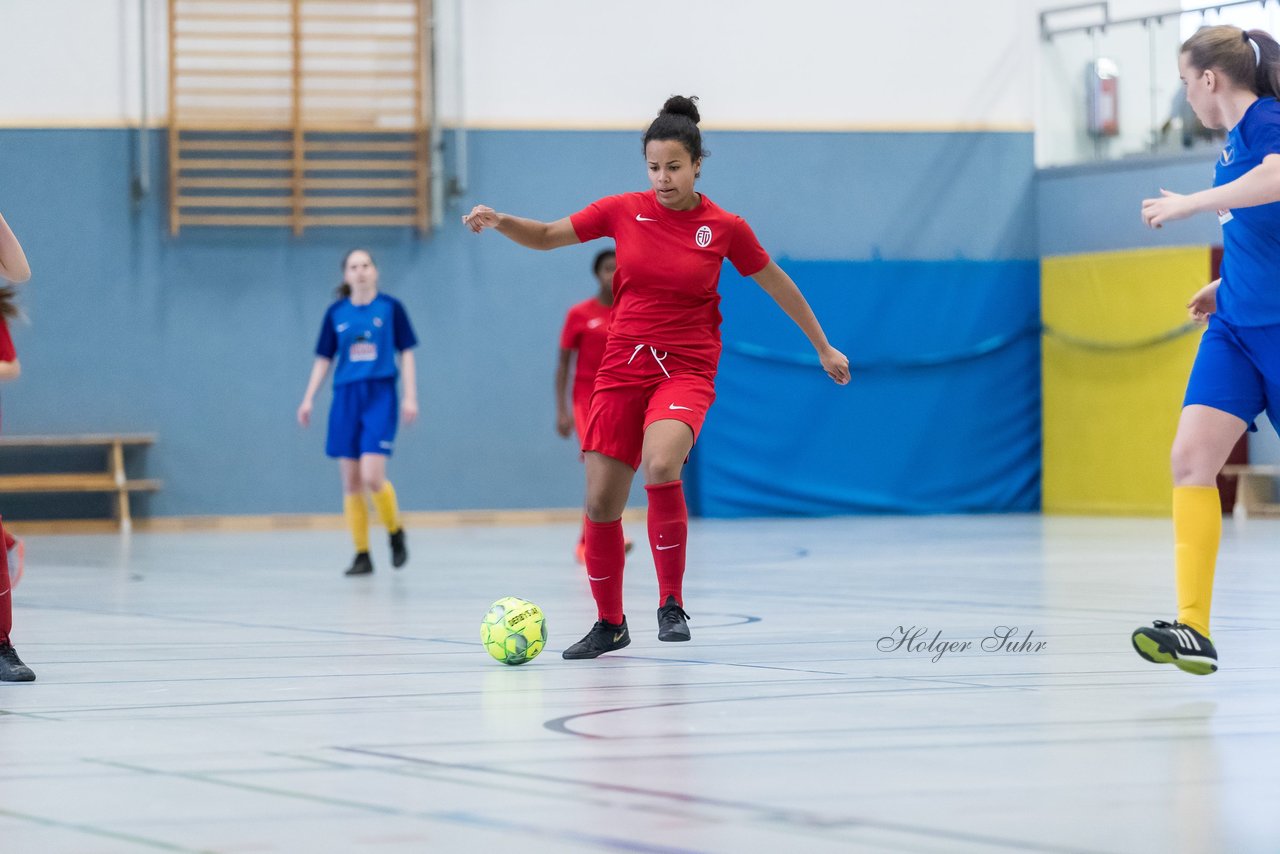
1167, 208
480, 218
836, 364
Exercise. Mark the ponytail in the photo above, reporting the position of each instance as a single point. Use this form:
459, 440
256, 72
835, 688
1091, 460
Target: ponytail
9, 302
1267, 77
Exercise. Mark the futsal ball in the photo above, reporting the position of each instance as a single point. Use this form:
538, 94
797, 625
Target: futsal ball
514, 631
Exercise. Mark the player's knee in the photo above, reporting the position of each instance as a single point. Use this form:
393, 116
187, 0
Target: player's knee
603, 508
1190, 465
373, 483
662, 467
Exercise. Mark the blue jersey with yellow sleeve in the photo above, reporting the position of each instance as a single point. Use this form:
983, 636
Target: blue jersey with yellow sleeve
363, 340
1250, 291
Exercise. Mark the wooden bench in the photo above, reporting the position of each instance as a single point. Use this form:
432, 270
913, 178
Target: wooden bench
112, 479
1254, 495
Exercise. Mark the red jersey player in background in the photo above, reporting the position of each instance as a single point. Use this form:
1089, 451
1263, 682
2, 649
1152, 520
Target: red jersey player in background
13, 268
586, 329
657, 377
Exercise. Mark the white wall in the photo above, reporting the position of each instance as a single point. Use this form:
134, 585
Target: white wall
1147, 57
755, 63
567, 63
76, 62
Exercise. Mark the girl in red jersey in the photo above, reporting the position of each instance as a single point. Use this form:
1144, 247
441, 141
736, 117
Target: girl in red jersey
657, 377
585, 333
13, 268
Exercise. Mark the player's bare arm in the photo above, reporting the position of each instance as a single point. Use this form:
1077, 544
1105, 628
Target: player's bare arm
13, 261
530, 233
1259, 186
777, 284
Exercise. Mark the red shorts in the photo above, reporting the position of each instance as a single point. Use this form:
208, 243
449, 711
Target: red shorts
638, 385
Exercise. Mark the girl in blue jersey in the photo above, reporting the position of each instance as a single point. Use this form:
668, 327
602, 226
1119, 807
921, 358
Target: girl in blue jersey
361, 336
1232, 78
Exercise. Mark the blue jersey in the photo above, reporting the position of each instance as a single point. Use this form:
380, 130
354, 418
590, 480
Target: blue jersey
363, 339
1250, 291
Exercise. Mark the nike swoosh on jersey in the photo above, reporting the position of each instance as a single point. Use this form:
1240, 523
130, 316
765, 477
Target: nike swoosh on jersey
644, 219
685, 408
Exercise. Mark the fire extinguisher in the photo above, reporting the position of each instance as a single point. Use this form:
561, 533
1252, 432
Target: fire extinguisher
1103, 87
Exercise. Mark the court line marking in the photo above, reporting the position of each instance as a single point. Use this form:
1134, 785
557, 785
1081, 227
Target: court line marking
786, 817
453, 817
101, 832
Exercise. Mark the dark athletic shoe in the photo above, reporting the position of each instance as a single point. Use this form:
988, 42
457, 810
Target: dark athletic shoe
671, 622
11, 667
362, 565
603, 637
399, 551
1177, 644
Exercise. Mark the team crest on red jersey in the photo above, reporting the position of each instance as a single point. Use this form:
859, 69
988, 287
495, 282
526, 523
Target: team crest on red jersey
703, 237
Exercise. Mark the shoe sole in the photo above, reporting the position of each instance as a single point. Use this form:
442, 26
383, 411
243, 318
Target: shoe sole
360, 572
23, 678
1155, 652
674, 638
580, 656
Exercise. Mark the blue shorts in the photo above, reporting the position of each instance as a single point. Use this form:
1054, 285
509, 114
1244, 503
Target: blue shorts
1237, 371
362, 419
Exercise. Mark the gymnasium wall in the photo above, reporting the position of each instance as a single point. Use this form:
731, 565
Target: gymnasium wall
206, 338
758, 63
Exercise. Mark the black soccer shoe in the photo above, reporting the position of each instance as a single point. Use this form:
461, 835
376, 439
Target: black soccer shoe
362, 565
11, 667
603, 637
399, 551
1177, 644
671, 622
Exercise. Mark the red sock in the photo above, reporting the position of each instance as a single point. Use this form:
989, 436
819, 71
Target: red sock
668, 531
9, 540
6, 598
605, 559
582, 537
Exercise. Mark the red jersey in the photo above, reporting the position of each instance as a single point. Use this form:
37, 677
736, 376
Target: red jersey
7, 352
665, 290
586, 328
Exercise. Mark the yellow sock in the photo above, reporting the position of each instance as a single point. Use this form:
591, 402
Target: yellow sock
1197, 530
357, 513
384, 500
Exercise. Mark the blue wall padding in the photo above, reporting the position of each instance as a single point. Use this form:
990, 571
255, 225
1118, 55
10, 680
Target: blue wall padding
942, 415
206, 338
